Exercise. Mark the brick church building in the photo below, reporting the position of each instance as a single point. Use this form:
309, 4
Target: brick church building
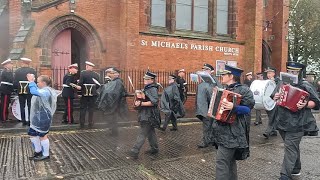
137, 34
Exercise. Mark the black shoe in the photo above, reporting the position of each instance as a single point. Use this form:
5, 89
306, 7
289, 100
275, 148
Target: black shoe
202, 145
35, 155
266, 135
133, 155
174, 129
283, 177
64, 122
257, 123
274, 134
72, 122
162, 129
152, 151
41, 158
24, 123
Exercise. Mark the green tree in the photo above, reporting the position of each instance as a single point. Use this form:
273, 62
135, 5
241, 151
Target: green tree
304, 33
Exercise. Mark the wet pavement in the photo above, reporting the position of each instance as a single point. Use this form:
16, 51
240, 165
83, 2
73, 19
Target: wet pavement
95, 154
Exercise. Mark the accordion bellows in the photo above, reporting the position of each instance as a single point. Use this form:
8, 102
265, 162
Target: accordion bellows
215, 108
290, 96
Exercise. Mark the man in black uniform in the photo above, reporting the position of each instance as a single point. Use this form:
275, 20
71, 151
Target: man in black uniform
248, 79
21, 84
182, 85
203, 97
293, 126
69, 86
233, 139
6, 88
272, 115
171, 104
148, 116
89, 82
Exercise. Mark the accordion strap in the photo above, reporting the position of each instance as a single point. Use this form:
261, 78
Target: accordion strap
234, 100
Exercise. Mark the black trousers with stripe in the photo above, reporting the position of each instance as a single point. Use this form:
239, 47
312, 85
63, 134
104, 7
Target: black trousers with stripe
68, 111
4, 111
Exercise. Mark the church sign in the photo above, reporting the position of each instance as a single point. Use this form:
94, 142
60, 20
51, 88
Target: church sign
228, 51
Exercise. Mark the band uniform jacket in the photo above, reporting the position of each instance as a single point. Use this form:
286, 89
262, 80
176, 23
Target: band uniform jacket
6, 77
21, 75
150, 114
69, 91
236, 135
171, 102
112, 99
86, 77
302, 120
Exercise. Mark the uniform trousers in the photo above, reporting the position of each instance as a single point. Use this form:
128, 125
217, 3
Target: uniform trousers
23, 98
207, 131
146, 131
271, 129
68, 111
87, 103
4, 111
258, 116
172, 118
226, 165
291, 160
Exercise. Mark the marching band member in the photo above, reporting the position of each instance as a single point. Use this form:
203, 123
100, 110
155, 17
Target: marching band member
6, 88
249, 79
233, 139
181, 82
171, 104
44, 103
203, 97
258, 112
112, 100
292, 126
69, 82
89, 82
148, 116
21, 84
272, 115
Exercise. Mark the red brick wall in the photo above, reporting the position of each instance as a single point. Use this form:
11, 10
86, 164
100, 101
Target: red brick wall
15, 17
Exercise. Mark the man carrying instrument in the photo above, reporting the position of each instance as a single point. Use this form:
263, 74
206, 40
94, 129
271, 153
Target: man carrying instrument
148, 116
21, 84
182, 85
89, 83
233, 139
6, 88
112, 100
171, 104
203, 97
292, 126
272, 115
258, 112
69, 86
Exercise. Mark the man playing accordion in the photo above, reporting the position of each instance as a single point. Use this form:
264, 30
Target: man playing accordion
293, 126
232, 139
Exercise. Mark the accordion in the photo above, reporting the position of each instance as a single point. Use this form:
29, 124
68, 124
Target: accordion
216, 110
290, 96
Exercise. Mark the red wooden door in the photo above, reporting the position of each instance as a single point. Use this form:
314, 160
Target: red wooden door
61, 56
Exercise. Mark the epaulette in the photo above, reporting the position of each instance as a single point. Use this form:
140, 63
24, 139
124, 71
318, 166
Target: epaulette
83, 70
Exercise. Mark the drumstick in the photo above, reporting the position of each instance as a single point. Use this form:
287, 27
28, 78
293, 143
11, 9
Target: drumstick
130, 81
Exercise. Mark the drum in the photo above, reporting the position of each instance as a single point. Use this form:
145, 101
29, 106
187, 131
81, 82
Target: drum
15, 107
262, 90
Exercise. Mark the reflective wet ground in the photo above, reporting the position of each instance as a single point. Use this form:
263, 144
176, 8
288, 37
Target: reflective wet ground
95, 154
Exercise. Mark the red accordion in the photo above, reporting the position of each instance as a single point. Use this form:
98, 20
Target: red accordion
215, 108
290, 96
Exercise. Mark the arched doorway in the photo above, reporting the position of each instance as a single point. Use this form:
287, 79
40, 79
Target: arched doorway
83, 41
68, 47
266, 55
